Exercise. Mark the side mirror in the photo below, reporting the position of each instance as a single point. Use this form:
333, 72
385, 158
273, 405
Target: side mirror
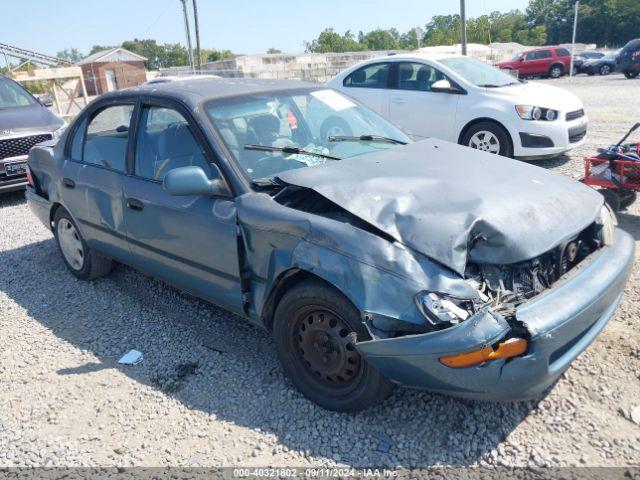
194, 181
46, 102
444, 86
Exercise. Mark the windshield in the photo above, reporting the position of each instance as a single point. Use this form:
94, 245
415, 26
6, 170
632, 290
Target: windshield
479, 73
310, 121
13, 95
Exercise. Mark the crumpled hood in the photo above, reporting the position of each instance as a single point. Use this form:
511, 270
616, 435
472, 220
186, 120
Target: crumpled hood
454, 204
540, 95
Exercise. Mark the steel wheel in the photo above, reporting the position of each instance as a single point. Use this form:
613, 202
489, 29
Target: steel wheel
325, 346
70, 244
486, 141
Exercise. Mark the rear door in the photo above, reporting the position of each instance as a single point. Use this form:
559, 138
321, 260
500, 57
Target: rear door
92, 183
417, 110
369, 85
189, 241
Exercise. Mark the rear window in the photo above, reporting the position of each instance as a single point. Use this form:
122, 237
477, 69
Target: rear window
369, 76
563, 52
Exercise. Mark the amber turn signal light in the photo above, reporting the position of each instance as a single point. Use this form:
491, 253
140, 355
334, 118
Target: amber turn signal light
507, 349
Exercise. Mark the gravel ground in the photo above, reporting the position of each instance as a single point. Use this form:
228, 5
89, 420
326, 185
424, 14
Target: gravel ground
210, 391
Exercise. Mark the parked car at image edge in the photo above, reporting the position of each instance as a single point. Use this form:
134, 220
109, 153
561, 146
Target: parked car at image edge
547, 61
24, 122
629, 59
467, 101
231, 191
600, 66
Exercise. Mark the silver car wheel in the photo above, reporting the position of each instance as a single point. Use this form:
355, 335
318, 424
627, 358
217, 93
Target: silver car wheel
605, 70
70, 244
556, 72
485, 141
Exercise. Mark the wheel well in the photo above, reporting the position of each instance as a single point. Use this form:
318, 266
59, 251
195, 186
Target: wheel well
557, 64
463, 132
283, 284
52, 213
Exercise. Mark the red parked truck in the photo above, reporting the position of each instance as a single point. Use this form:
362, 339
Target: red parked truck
548, 61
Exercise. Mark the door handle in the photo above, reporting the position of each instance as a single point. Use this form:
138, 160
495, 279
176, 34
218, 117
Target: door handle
135, 204
67, 182
398, 101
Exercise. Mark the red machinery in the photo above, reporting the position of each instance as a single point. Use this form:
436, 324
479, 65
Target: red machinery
616, 171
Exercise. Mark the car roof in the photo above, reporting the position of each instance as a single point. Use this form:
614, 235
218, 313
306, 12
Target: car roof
194, 90
415, 56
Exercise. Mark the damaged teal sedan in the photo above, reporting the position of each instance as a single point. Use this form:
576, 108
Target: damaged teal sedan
373, 261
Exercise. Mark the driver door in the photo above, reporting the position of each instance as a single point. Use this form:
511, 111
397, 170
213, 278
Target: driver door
189, 241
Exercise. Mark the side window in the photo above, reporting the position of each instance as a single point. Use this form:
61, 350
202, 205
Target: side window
543, 54
530, 56
165, 142
370, 76
417, 76
563, 52
107, 137
78, 138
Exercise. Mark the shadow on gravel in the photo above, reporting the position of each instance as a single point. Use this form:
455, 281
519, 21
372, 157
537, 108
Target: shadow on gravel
12, 198
215, 362
550, 162
629, 222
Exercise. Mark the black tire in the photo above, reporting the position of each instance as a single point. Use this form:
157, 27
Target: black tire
505, 146
93, 264
556, 71
631, 75
330, 325
604, 70
334, 126
611, 197
627, 198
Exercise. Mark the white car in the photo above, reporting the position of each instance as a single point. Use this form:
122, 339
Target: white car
465, 100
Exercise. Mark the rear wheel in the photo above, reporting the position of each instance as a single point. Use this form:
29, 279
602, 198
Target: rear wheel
605, 70
82, 261
631, 75
315, 332
556, 71
488, 137
334, 126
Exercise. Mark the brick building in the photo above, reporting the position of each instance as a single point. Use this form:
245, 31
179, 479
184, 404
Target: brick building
112, 69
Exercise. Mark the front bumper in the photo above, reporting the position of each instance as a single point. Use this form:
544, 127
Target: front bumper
562, 322
561, 134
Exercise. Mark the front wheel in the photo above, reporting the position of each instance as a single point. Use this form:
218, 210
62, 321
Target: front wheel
605, 70
488, 137
82, 261
631, 75
555, 71
315, 332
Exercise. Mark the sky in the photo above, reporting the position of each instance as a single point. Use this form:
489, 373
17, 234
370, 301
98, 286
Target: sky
242, 26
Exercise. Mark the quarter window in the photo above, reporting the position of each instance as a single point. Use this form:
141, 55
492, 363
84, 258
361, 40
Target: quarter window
563, 52
417, 76
107, 137
370, 76
165, 142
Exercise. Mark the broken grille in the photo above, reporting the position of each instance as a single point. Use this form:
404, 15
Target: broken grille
18, 146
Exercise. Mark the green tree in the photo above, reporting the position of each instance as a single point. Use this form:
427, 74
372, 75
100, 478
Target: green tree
99, 48
274, 50
70, 54
214, 55
330, 41
380, 39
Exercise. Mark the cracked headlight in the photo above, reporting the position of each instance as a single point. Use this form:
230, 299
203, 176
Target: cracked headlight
608, 221
440, 309
529, 112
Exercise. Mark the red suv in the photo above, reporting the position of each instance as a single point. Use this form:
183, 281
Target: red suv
551, 61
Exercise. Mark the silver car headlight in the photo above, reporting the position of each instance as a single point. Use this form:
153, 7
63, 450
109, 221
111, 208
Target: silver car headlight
530, 112
608, 221
440, 309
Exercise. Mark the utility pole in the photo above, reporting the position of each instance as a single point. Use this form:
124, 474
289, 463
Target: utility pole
463, 26
573, 40
197, 28
188, 33
418, 35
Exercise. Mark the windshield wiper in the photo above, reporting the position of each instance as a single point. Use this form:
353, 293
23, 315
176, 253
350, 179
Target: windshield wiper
365, 138
289, 150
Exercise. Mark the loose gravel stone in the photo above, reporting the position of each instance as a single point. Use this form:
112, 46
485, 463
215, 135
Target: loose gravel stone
210, 391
